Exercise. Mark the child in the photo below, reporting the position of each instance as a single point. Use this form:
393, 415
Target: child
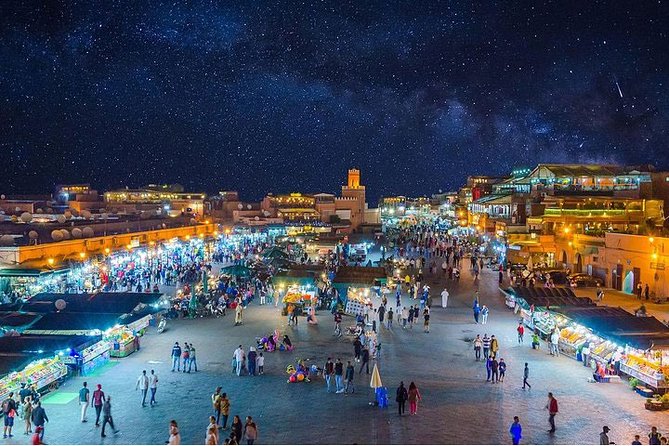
378, 350
260, 362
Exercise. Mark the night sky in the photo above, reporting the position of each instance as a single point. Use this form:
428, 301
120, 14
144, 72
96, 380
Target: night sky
264, 96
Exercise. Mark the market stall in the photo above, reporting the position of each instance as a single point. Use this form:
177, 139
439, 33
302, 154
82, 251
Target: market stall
301, 297
37, 360
90, 358
121, 340
358, 299
43, 373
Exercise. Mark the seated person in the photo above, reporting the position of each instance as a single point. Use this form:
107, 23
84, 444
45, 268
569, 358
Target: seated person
287, 343
535, 341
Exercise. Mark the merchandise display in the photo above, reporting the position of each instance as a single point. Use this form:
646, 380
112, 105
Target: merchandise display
646, 368
42, 373
121, 341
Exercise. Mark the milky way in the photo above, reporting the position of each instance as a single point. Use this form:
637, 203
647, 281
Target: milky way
276, 96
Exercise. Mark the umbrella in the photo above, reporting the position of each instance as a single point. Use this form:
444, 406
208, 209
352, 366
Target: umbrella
375, 382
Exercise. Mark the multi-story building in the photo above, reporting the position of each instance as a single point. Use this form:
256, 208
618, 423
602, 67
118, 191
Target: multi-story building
161, 199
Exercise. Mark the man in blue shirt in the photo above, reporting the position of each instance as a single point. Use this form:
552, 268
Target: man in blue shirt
516, 431
176, 357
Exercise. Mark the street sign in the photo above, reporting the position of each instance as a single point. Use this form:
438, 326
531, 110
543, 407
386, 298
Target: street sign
657, 266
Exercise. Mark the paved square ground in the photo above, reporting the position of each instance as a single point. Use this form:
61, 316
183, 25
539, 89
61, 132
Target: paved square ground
458, 405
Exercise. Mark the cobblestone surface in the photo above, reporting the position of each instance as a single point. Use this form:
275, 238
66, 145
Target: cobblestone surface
458, 405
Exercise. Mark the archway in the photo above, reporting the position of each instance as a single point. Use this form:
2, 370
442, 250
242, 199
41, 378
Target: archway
578, 267
564, 258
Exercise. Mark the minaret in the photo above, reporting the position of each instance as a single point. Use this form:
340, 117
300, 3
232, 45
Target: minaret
355, 191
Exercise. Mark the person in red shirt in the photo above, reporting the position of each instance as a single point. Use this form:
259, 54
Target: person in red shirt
552, 407
521, 332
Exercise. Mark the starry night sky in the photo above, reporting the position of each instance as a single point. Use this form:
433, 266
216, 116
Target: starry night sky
277, 96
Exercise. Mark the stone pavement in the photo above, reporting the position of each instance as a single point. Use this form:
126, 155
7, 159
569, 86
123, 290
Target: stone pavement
458, 405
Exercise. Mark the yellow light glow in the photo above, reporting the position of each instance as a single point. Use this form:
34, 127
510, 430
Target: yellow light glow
566, 230
651, 239
188, 237
107, 250
82, 255
570, 243
50, 261
654, 256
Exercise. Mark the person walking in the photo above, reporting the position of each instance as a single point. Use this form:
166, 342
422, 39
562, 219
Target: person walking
107, 417
552, 407
555, 338
339, 372
250, 431
216, 403
604, 436
328, 371
9, 413
98, 401
478, 344
261, 364
348, 377
192, 359
494, 367
143, 385
413, 397
486, 346
516, 431
186, 356
39, 418
153, 387
488, 368
175, 435
236, 428
252, 356
477, 310
401, 397
484, 314
84, 400
426, 320
502, 370
176, 357
521, 332
365, 360
494, 346
224, 405
212, 435
390, 318
526, 374
26, 413
357, 349
239, 358
654, 436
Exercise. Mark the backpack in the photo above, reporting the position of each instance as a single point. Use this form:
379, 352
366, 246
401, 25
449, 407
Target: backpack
5, 406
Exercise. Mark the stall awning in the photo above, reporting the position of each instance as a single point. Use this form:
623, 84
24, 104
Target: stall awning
30, 272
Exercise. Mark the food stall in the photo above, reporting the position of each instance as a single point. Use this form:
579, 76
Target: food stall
38, 360
44, 373
85, 361
301, 297
121, 340
646, 357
